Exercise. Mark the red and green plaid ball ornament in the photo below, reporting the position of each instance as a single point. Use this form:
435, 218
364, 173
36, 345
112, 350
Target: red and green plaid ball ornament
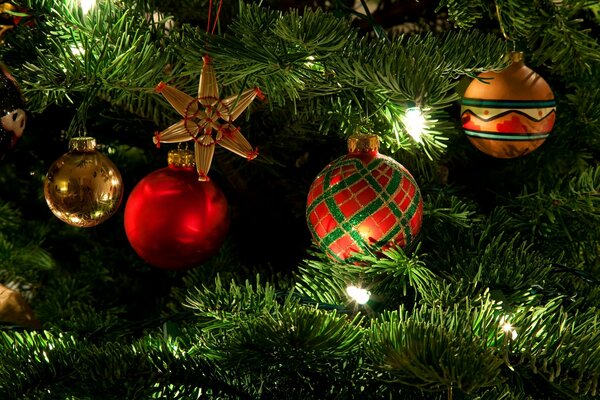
363, 200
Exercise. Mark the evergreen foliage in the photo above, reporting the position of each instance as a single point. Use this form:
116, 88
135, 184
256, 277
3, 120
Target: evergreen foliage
498, 300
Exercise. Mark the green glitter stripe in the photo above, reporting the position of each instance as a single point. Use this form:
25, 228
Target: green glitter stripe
404, 219
394, 231
349, 225
335, 210
509, 103
413, 208
391, 235
360, 242
332, 236
335, 256
395, 181
362, 172
367, 174
506, 137
365, 212
337, 233
395, 209
311, 228
343, 184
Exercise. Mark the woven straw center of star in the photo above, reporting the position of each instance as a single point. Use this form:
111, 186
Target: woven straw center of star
203, 124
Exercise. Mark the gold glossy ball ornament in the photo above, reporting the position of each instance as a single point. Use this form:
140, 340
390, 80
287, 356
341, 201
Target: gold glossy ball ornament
83, 187
511, 114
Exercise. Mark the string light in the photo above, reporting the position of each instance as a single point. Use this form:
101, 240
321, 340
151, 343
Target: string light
359, 295
77, 50
311, 63
414, 123
508, 328
86, 5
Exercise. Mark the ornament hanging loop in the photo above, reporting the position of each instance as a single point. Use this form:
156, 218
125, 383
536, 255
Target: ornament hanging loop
504, 34
78, 123
208, 22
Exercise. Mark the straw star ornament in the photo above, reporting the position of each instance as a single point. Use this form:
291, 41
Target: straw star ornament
207, 119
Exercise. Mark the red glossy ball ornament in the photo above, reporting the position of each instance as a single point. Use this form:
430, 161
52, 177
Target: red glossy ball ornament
173, 220
363, 200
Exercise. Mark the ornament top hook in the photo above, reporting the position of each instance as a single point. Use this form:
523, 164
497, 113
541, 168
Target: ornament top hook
182, 158
516, 56
82, 144
361, 143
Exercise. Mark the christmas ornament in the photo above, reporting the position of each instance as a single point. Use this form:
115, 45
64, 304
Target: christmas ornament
511, 114
10, 16
15, 309
205, 114
12, 115
363, 199
83, 187
173, 220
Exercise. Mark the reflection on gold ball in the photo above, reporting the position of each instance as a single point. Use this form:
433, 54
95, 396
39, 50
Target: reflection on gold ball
83, 187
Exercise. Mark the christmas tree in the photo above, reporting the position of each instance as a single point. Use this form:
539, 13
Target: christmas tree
458, 261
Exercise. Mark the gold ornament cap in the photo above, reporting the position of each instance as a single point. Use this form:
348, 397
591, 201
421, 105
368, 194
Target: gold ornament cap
182, 158
516, 56
363, 143
82, 144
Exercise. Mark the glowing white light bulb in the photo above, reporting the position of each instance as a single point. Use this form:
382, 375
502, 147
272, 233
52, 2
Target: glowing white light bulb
313, 64
77, 50
359, 295
86, 5
508, 328
414, 123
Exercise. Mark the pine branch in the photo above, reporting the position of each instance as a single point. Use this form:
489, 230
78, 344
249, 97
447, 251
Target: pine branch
223, 307
553, 33
56, 366
567, 209
583, 100
295, 351
389, 277
22, 259
552, 340
464, 14
438, 350
112, 52
446, 209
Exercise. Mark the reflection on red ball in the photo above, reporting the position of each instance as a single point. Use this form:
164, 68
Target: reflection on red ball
174, 221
